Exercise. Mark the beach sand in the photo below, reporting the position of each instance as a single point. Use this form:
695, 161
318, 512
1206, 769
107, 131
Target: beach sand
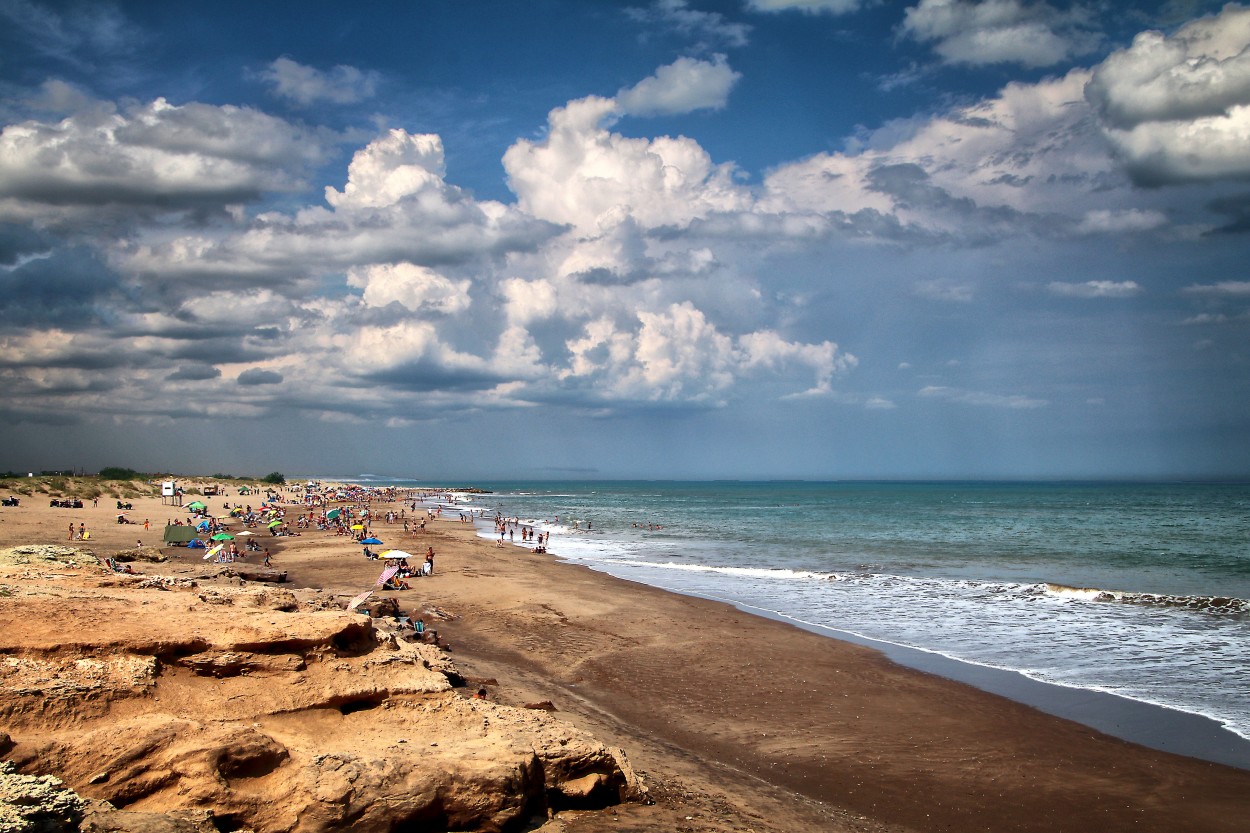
736, 722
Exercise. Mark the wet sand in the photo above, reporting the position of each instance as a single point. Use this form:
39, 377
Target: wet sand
740, 722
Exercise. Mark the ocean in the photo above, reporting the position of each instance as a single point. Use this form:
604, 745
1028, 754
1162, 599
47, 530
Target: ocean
1135, 590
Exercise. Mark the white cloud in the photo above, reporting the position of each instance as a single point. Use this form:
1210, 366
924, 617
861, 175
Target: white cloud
159, 156
992, 400
808, 6
396, 206
1100, 221
416, 288
1017, 161
709, 29
1095, 289
1225, 288
683, 86
679, 355
1000, 31
307, 85
1177, 108
944, 290
581, 172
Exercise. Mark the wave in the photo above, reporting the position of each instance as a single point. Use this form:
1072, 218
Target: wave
1202, 604
1205, 604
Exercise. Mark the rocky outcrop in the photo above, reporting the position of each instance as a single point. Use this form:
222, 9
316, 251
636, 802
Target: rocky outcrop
241, 707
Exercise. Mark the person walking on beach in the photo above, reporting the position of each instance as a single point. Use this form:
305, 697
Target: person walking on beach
71, 531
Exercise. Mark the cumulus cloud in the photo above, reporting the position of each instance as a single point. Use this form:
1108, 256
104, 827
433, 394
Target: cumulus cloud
582, 172
1021, 161
1094, 289
1177, 108
416, 288
307, 85
157, 156
683, 86
1000, 31
395, 207
808, 6
677, 354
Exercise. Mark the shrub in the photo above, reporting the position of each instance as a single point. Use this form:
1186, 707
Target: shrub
118, 473
275, 477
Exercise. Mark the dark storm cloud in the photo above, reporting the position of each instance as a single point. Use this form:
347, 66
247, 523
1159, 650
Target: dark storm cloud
66, 289
256, 376
194, 373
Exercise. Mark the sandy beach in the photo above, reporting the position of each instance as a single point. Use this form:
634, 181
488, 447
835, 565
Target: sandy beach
735, 722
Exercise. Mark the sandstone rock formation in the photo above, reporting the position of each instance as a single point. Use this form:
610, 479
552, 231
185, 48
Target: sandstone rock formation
251, 708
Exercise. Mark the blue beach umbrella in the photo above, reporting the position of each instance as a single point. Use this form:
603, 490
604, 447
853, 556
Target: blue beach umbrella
371, 541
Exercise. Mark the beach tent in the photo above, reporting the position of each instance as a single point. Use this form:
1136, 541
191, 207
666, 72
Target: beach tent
202, 525
178, 534
195, 544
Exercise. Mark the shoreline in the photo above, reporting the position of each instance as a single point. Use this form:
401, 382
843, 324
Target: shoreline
1146, 724
1152, 725
740, 721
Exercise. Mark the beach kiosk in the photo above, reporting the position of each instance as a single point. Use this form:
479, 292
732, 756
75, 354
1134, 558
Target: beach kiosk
171, 495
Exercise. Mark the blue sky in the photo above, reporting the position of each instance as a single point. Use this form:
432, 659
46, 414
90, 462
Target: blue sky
677, 239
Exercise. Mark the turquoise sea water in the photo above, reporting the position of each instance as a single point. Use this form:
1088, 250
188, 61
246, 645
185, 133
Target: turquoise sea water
1133, 589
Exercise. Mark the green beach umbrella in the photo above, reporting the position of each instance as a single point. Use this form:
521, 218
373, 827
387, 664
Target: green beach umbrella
272, 524
195, 504
223, 536
333, 513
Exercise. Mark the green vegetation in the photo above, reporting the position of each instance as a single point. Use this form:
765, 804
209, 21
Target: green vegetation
275, 477
118, 473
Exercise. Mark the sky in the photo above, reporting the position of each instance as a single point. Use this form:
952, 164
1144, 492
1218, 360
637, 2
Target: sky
679, 239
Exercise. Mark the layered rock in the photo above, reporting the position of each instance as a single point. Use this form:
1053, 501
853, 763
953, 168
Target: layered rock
266, 713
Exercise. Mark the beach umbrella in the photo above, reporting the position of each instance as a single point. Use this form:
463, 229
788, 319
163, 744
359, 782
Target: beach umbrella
397, 554
358, 526
247, 532
223, 536
272, 524
371, 541
212, 552
333, 513
196, 505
